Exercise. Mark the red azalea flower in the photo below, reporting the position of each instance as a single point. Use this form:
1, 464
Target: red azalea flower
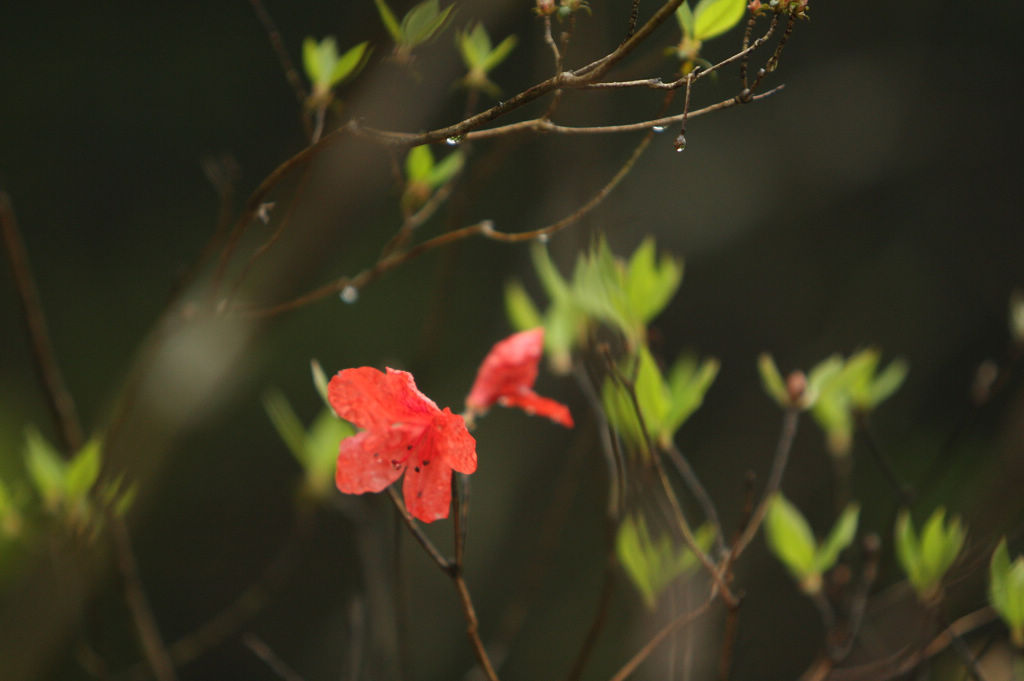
403, 430
507, 376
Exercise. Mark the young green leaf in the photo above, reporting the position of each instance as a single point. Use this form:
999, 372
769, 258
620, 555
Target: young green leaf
684, 15
650, 284
321, 446
286, 423
714, 17
319, 380
521, 311
423, 22
791, 540
1006, 591
772, 381
688, 382
46, 468
926, 558
82, 471
387, 17
445, 170
842, 535
652, 564
419, 163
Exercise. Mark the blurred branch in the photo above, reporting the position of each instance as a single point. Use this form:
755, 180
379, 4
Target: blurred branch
679, 622
290, 72
62, 405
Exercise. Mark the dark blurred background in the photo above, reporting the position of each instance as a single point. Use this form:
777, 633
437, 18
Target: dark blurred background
873, 201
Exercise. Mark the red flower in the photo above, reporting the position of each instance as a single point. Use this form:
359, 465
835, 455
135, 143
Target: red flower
403, 430
507, 376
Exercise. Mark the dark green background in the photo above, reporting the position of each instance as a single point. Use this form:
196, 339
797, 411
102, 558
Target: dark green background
874, 201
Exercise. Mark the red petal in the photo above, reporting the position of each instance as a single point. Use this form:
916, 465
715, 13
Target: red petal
362, 468
509, 367
532, 403
428, 490
452, 442
375, 401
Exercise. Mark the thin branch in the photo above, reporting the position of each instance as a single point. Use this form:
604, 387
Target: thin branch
782, 450
543, 126
473, 626
424, 540
134, 594
698, 490
679, 622
261, 650
600, 617
290, 72
62, 405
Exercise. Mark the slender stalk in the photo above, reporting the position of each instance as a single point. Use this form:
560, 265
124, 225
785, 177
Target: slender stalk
782, 450
679, 622
261, 650
62, 405
417, 533
699, 492
135, 596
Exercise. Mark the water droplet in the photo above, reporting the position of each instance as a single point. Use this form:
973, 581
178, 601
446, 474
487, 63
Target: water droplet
453, 141
657, 128
349, 294
544, 238
680, 142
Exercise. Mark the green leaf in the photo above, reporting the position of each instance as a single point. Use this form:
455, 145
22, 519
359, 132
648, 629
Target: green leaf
1006, 591
474, 45
82, 471
841, 536
499, 53
311, 60
347, 64
45, 467
885, 384
790, 538
650, 284
419, 163
445, 170
621, 413
714, 17
907, 550
555, 286
287, 424
772, 381
521, 311
422, 22
652, 564
687, 385
319, 381
684, 15
389, 20
321, 446
927, 559
598, 286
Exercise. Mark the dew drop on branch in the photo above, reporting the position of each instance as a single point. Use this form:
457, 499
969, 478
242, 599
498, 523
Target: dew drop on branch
657, 128
349, 294
680, 142
544, 238
453, 141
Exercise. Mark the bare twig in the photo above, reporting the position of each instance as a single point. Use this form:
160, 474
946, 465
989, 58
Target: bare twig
782, 450
698, 490
679, 622
142, 615
290, 72
261, 650
424, 540
62, 406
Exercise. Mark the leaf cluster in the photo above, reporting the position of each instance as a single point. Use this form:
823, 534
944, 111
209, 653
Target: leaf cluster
792, 541
927, 557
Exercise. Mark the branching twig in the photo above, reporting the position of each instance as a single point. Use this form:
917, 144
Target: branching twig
698, 490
